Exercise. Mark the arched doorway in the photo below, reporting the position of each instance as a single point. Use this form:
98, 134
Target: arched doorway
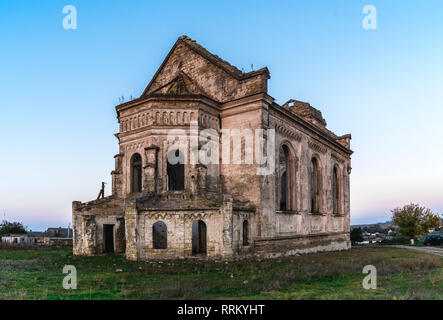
198, 237
159, 235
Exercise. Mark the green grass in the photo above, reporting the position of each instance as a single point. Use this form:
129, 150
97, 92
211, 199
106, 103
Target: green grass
402, 274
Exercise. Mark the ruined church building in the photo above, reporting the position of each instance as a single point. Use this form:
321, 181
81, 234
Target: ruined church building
160, 210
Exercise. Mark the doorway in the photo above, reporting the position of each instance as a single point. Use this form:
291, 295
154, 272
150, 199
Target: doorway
108, 235
198, 237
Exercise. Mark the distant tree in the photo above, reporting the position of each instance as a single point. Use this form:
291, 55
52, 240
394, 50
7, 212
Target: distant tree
414, 220
356, 235
7, 227
430, 221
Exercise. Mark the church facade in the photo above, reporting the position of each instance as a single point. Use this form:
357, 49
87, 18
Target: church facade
209, 165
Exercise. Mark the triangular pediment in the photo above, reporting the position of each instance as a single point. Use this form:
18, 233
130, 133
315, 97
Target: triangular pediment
180, 85
210, 75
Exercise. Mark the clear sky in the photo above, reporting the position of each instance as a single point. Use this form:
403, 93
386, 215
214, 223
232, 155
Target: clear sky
58, 89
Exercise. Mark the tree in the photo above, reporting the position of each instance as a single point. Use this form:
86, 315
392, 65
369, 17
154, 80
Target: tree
356, 235
414, 220
7, 227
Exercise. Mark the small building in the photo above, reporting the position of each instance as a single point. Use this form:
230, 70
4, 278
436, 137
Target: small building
16, 238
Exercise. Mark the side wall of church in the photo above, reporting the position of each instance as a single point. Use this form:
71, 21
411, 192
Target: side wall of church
88, 226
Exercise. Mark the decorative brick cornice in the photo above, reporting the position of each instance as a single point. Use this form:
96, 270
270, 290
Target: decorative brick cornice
317, 147
337, 158
285, 130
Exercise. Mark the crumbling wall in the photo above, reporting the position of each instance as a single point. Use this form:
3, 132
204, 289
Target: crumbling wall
87, 224
282, 246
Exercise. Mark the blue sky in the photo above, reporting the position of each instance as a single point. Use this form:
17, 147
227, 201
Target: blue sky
58, 89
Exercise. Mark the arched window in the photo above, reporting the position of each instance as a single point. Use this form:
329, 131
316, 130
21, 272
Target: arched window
198, 237
335, 191
284, 154
159, 235
286, 189
315, 185
175, 170
136, 173
245, 233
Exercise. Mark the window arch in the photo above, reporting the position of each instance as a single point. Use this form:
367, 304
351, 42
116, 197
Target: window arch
286, 189
136, 173
316, 185
284, 185
159, 235
175, 170
336, 191
245, 233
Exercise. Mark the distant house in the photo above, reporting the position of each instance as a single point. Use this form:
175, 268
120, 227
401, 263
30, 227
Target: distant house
57, 233
16, 238
52, 236
56, 236
34, 234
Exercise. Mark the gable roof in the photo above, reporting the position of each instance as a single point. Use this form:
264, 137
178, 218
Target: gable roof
212, 58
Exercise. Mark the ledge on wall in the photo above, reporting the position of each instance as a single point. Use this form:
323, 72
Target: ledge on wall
338, 215
317, 214
287, 212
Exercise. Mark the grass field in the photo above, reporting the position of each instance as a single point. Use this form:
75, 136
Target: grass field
401, 274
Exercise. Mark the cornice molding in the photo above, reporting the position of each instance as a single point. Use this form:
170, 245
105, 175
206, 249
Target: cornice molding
317, 147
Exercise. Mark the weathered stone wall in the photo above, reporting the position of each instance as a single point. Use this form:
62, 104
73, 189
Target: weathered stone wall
88, 220
179, 233
282, 246
195, 87
305, 144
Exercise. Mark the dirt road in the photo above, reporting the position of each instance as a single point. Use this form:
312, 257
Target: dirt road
433, 250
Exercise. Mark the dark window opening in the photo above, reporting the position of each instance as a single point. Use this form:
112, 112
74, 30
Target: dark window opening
315, 185
199, 237
335, 191
176, 171
284, 155
108, 235
159, 235
245, 233
136, 173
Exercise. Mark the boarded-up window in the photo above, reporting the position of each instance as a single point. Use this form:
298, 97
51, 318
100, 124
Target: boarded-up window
159, 235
